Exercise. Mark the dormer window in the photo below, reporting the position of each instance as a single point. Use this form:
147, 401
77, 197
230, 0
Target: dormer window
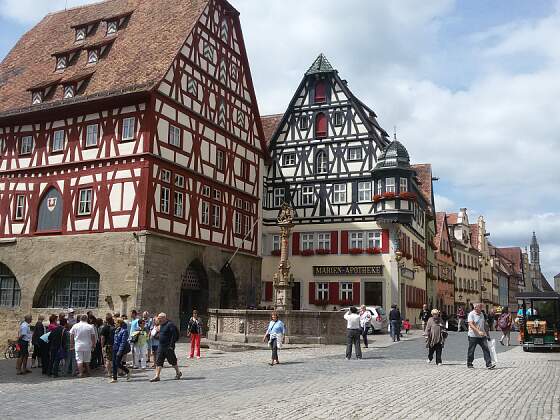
69, 91
112, 27
61, 62
37, 98
80, 34
93, 56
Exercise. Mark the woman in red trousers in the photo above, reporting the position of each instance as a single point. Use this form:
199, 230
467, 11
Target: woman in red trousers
194, 330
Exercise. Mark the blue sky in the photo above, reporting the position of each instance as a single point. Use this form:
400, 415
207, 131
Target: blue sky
470, 84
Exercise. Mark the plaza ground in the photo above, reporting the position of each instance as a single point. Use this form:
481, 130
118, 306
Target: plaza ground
393, 381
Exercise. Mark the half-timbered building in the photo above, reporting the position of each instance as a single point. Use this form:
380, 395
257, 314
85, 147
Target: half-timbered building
131, 160
323, 155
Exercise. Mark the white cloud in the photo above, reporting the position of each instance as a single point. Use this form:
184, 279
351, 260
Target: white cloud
31, 11
444, 203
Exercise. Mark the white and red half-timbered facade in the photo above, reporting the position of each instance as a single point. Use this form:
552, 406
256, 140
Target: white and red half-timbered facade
131, 160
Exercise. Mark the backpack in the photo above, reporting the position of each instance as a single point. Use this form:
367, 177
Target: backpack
503, 321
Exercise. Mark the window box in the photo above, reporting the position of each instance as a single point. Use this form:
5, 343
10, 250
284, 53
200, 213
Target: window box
323, 252
356, 251
275, 252
307, 252
373, 251
407, 196
388, 195
377, 198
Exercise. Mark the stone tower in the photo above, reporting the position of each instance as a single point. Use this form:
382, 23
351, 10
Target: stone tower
535, 265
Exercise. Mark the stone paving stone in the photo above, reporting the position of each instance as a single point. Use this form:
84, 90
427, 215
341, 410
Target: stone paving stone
393, 381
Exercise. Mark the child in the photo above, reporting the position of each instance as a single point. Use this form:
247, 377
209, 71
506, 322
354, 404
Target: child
406, 325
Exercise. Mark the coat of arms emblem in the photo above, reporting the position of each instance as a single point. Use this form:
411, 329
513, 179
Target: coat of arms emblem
51, 203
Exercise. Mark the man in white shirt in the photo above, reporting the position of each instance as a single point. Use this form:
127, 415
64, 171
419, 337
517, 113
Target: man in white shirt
478, 335
353, 333
82, 339
365, 323
24, 338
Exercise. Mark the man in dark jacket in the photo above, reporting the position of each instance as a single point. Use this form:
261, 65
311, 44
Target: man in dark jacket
57, 350
424, 316
396, 321
168, 336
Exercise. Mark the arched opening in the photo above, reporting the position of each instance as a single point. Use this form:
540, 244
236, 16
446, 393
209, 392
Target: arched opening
321, 163
194, 292
228, 290
10, 292
320, 92
320, 125
49, 215
74, 285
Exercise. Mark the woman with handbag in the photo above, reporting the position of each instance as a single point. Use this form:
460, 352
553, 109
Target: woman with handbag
274, 336
435, 336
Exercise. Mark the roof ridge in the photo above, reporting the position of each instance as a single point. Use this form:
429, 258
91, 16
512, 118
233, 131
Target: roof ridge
81, 6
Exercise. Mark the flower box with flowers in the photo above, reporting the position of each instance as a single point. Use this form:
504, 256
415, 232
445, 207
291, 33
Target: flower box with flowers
356, 251
377, 198
373, 251
323, 251
388, 195
307, 252
405, 195
275, 252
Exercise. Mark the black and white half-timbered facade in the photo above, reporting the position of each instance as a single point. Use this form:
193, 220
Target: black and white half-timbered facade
323, 154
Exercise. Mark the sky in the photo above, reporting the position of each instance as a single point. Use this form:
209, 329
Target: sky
471, 86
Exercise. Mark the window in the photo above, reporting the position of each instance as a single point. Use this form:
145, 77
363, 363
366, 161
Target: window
112, 27
307, 195
26, 145
216, 216
390, 184
10, 292
206, 191
180, 181
323, 291
278, 196
36, 98
205, 213
69, 91
237, 226
374, 239
217, 195
84, 201
303, 123
320, 125
364, 191
379, 187
276, 242
356, 240
128, 128
80, 34
403, 185
239, 203
324, 241
320, 92
339, 195
164, 200
248, 226
346, 291
93, 56
20, 207
321, 163
178, 210
57, 141
355, 153
289, 159
174, 136
165, 175
248, 206
92, 131
61, 63
338, 118
244, 170
307, 241
220, 160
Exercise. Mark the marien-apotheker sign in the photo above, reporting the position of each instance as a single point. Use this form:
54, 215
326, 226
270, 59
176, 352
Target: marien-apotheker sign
347, 270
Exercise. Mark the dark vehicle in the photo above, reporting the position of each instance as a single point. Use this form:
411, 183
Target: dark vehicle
539, 320
453, 322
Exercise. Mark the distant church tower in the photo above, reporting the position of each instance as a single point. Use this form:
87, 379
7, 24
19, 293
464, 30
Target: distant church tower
534, 250
535, 266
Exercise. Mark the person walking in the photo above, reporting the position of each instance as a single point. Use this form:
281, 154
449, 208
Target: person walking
70, 367
107, 336
274, 336
139, 338
24, 338
194, 330
57, 350
148, 324
396, 321
424, 316
435, 336
365, 323
168, 336
83, 338
38, 331
121, 348
478, 336
504, 323
154, 337
460, 319
353, 332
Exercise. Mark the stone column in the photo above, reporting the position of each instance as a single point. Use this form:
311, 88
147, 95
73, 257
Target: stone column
283, 280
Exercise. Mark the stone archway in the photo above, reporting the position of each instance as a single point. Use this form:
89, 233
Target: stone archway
194, 292
228, 288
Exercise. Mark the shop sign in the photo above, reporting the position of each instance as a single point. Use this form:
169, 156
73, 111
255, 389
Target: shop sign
347, 270
407, 273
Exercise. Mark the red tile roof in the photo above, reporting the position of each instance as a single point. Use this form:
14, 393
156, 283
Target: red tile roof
141, 54
440, 226
452, 218
270, 123
513, 254
424, 176
474, 235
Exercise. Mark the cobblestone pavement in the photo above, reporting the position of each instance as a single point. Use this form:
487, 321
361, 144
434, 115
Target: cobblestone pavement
391, 382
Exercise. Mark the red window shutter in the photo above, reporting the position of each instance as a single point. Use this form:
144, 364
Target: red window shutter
320, 91
356, 293
334, 242
344, 242
268, 291
320, 125
333, 293
295, 243
312, 293
385, 241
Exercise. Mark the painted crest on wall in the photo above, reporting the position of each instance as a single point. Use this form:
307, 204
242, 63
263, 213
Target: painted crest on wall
51, 203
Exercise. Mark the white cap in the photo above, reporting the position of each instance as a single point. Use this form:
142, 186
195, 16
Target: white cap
70, 311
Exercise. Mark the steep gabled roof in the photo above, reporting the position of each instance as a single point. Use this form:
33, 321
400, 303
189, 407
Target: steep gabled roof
513, 254
270, 123
424, 177
441, 227
140, 55
452, 218
320, 65
474, 235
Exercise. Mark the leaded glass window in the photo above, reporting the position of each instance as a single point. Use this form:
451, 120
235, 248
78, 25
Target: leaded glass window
75, 285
